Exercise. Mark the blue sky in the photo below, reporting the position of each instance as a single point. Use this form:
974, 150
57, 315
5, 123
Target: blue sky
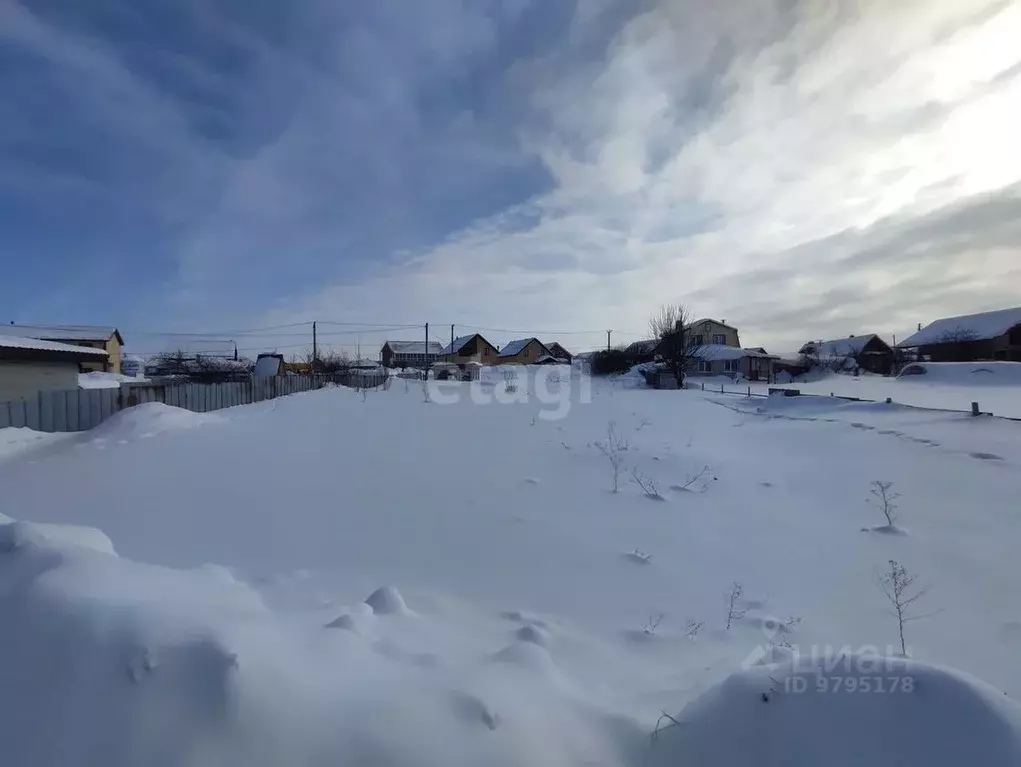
196, 165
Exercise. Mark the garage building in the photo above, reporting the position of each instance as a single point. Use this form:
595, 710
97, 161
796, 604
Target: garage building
28, 365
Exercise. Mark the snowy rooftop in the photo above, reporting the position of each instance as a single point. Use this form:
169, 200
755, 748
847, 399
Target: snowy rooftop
840, 347
63, 332
415, 347
978, 327
513, 347
721, 352
455, 347
18, 342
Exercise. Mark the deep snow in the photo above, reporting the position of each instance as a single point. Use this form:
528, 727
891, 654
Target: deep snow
518, 611
996, 386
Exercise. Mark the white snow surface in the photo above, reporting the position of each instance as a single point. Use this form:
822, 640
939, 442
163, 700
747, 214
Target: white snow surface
802, 712
964, 373
100, 380
23, 342
980, 326
996, 386
492, 601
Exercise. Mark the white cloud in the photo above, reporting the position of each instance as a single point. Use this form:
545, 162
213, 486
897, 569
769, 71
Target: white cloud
712, 146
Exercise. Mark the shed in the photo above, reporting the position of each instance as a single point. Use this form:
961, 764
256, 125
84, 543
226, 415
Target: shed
267, 365
29, 365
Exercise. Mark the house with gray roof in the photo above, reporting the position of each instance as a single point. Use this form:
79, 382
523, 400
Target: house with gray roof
985, 336
524, 351
410, 354
105, 337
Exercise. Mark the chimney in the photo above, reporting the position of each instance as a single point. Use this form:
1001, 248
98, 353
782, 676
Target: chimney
919, 325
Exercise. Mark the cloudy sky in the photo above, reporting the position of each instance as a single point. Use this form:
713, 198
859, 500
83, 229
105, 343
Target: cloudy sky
801, 169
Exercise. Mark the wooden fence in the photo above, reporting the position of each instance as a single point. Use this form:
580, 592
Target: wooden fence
81, 409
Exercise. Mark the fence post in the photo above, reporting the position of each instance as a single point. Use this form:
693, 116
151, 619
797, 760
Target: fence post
974, 409
749, 391
721, 388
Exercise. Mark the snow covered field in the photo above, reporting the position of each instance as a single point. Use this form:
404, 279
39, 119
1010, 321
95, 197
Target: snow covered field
996, 386
521, 612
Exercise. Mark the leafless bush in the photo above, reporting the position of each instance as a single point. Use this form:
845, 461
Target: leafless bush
734, 610
692, 627
699, 481
510, 388
425, 389
899, 586
781, 637
642, 424
614, 447
883, 499
652, 624
647, 483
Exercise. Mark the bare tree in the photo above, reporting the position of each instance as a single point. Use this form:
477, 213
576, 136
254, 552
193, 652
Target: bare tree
680, 347
734, 610
899, 586
959, 344
614, 447
883, 499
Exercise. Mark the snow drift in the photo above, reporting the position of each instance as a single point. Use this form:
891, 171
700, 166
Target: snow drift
106, 662
148, 420
844, 711
964, 373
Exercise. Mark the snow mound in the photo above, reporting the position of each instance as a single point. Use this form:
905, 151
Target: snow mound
844, 711
387, 601
16, 535
964, 373
107, 662
149, 419
19, 439
100, 380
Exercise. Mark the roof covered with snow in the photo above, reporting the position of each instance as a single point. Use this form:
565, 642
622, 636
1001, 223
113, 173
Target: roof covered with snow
840, 347
63, 332
515, 347
975, 327
460, 341
35, 344
721, 352
269, 365
415, 347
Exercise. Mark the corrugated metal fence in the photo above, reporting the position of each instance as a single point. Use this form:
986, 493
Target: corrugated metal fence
81, 409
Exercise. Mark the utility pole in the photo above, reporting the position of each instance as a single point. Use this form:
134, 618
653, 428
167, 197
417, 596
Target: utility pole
608, 339
315, 348
426, 350
235, 351
451, 339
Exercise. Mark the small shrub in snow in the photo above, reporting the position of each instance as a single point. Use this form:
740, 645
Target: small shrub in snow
735, 611
647, 483
696, 482
883, 499
652, 624
692, 627
510, 388
614, 447
899, 586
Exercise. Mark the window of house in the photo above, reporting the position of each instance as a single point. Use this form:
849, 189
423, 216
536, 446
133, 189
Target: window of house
485, 352
730, 366
704, 366
720, 338
698, 339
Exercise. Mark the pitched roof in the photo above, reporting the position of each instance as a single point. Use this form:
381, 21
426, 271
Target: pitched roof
414, 347
980, 327
461, 341
642, 347
22, 342
722, 352
514, 347
558, 345
64, 332
840, 347
710, 319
